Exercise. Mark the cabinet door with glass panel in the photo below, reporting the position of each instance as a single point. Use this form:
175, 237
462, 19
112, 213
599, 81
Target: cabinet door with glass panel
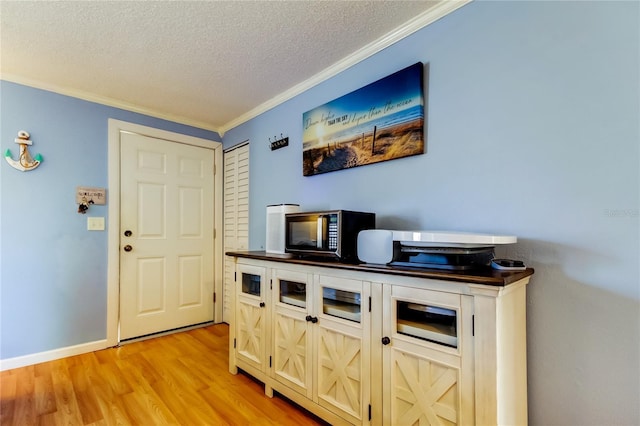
427, 357
292, 329
343, 343
251, 316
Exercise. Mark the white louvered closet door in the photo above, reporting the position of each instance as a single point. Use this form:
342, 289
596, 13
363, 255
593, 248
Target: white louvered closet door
236, 216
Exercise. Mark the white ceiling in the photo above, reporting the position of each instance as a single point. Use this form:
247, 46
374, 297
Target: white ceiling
211, 64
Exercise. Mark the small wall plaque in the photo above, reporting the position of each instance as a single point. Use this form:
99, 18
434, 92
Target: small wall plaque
279, 143
97, 196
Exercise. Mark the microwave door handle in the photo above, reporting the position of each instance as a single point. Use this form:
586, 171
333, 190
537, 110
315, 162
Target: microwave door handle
319, 233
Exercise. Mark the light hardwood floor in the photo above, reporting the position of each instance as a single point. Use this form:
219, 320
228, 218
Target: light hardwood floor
181, 379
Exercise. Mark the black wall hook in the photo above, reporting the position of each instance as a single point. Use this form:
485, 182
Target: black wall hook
278, 143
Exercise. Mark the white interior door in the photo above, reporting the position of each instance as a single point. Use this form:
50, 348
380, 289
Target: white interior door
236, 216
166, 235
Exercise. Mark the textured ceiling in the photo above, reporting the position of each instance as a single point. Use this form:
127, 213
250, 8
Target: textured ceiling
205, 63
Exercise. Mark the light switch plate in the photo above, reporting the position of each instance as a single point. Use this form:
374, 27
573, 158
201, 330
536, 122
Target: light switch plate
95, 223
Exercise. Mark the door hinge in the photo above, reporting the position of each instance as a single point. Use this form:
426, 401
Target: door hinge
235, 276
269, 361
214, 169
234, 343
214, 297
473, 325
270, 284
369, 310
369, 412
214, 234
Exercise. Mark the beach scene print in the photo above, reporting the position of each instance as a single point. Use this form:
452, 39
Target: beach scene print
381, 121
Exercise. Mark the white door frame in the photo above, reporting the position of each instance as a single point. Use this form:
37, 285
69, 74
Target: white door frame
113, 224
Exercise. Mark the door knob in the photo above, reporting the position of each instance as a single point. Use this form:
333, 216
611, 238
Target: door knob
128, 248
386, 340
262, 304
127, 233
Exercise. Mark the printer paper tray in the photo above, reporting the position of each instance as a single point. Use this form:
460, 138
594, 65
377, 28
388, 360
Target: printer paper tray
434, 266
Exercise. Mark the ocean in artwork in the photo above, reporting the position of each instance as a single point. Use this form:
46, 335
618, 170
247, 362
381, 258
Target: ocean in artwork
380, 122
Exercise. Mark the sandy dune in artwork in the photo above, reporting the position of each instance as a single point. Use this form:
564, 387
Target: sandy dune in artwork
397, 141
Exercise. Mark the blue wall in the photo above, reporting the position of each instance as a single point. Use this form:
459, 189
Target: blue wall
53, 272
533, 130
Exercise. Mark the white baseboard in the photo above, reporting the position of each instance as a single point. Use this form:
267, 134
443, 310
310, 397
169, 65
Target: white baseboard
23, 361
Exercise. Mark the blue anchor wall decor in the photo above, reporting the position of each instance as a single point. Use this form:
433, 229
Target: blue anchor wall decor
25, 162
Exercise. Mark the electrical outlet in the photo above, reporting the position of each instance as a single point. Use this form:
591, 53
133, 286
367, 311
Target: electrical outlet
95, 223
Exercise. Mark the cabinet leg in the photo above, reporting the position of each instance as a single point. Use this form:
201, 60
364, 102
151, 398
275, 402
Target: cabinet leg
268, 390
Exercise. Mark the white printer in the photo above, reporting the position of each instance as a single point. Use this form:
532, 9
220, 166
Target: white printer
429, 249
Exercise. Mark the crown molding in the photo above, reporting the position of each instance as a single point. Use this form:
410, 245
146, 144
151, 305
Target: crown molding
103, 100
439, 11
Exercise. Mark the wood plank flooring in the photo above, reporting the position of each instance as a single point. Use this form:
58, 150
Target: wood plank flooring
179, 379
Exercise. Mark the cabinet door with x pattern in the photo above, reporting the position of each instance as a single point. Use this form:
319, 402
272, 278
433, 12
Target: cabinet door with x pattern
251, 317
292, 329
343, 342
427, 357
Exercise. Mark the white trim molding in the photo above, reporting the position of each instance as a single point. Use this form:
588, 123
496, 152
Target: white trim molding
104, 100
23, 361
440, 10
437, 12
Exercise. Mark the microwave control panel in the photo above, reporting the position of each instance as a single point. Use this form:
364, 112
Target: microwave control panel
333, 233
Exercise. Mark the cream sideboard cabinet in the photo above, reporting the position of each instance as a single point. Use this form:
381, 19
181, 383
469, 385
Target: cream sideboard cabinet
357, 344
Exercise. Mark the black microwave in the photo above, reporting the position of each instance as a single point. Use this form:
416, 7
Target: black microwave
326, 234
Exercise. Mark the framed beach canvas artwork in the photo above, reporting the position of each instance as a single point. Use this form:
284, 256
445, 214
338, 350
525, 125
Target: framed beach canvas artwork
381, 121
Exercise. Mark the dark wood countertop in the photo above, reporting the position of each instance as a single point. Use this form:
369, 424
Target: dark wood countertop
486, 276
